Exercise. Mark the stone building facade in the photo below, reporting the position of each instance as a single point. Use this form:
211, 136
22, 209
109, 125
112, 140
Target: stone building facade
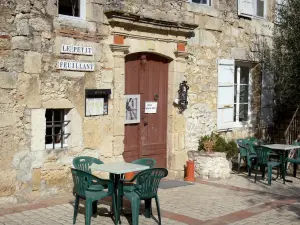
39, 85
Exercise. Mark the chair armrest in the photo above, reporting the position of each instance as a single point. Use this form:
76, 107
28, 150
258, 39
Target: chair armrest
92, 180
127, 181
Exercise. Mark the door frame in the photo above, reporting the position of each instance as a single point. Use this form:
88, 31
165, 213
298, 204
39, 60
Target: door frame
168, 60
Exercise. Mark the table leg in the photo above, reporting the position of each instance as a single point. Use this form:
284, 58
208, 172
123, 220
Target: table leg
119, 195
285, 155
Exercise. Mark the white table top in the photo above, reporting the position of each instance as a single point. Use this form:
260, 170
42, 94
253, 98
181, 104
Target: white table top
118, 167
281, 147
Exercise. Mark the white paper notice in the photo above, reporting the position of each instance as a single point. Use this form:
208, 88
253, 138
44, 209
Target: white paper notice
150, 107
94, 106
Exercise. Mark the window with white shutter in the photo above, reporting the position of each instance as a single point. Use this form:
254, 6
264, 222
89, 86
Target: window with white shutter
201, 2
72, 8
246, 8
225, 93
252, 8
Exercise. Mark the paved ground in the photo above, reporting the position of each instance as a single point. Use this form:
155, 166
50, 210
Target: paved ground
237, 200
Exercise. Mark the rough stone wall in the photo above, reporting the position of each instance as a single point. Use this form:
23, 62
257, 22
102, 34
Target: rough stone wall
221, 34
31, 34
168, 10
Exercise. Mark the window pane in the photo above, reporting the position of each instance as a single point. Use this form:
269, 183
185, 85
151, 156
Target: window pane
200, 1
244, 79
48, 139
243, 116
234, 113
69, 7
244, 93
235, 93
235, 75
54, 125
260, 8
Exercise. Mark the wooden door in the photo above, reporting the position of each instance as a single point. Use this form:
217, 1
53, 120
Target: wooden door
147, 74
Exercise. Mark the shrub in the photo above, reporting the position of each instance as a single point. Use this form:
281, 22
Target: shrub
220, 145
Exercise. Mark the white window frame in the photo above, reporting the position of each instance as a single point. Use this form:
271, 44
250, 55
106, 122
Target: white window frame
82, 12
58, 145
209, 3
243, 123
253, 13
255, 9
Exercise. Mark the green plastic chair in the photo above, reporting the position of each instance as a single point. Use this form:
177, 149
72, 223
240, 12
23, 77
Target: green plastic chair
145, 162
91, 189
247, 152
295, 161
263, 161
145, 188
84, 162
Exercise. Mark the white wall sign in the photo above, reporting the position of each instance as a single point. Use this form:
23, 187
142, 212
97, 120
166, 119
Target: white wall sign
150, 107
75, 65
94, 106
78, 50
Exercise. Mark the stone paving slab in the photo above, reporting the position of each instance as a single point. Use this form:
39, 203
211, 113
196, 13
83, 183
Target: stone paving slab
204, 203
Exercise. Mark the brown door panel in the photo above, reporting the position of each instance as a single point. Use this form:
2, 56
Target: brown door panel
147, 74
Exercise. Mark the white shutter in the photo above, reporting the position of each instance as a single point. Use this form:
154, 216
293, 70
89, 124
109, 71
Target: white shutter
246, 8
225, 93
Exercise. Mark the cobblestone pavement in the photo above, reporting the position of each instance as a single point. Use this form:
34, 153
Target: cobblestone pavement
236, 201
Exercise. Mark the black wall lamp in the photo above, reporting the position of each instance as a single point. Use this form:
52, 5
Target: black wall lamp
182, 96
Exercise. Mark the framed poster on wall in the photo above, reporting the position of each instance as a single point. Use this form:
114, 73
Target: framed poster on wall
132, 103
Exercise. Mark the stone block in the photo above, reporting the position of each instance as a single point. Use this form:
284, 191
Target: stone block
36, 179
57, 178
119, 75
214, 24
119, 126
178, 161
20, 42
107, 75
239, 53
7, 182
39, 24
28, 90
38, 129
61, 40
207, 38
22, 27
5, 43
119, 62
33, 62
118, 145
75, 140
58, 104
94, 13
51, 7
8, 80
98, 134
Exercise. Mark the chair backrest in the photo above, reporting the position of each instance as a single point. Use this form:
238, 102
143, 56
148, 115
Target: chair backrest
82, 180
262, 154
145, 162
298, 151
243, 147
84, 162
147, 182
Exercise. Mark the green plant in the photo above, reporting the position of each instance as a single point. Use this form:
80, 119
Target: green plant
220, 145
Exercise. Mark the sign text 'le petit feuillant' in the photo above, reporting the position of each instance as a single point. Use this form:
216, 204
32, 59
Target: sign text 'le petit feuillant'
74, 65
79, 50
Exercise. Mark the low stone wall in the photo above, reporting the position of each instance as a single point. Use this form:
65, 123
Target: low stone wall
210, 166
